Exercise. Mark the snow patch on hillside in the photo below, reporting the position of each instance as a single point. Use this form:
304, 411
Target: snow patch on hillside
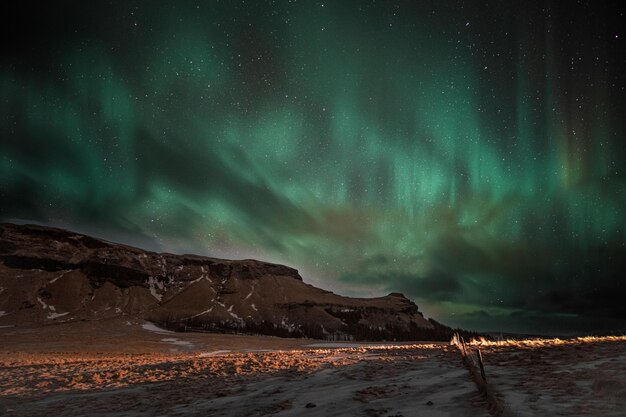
54, 315
290, 327
204, 273
202, 313
151, 327
251, 291
233, 315
60, 276
161, 262
43, 304
53, 311
196, 280
155, 285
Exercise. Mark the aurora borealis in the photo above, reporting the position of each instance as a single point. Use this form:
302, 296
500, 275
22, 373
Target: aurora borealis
468, 154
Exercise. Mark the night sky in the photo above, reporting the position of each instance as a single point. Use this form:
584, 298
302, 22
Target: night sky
468, 154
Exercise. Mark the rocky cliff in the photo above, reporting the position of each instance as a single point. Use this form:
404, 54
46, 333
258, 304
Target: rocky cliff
49, 275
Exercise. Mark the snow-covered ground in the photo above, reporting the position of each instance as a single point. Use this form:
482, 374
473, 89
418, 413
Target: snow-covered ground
584, 377
131, 367
424, 380
177, 342
151, 327
375, 386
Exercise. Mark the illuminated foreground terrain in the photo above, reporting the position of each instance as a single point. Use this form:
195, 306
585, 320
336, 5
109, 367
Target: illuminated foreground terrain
553, 377
136, 369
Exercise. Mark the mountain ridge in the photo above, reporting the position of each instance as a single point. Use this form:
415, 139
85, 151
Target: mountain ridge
52, 275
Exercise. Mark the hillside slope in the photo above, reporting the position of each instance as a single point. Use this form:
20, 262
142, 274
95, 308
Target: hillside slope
50, 275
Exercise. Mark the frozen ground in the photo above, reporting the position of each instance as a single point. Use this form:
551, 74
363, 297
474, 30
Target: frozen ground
136, 369
155, 372
424, 380
411, 385
552, 377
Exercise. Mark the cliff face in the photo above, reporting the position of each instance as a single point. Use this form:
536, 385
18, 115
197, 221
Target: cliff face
49, 275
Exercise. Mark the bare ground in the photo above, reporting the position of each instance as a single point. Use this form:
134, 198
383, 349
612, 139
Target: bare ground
552, 377
73, 370
133, 368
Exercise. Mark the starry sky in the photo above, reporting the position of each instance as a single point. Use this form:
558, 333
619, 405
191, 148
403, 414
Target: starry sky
468, 154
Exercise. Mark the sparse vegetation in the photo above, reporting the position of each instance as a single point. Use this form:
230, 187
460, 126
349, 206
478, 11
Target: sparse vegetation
354, 329
539, 342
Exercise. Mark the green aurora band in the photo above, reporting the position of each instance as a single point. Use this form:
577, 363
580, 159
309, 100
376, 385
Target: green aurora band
456, 155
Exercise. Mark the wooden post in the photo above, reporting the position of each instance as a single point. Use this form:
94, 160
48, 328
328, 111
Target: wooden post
480, 363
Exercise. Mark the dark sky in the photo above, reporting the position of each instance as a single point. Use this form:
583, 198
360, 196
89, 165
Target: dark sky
469, 154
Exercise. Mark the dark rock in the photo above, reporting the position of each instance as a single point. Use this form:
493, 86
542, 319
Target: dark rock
310, 405
396, 294
33, 262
